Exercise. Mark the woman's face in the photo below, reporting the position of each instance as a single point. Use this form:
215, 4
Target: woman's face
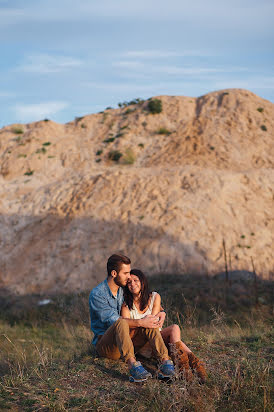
134, 285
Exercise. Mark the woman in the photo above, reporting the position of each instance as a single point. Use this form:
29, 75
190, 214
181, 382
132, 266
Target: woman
140, 302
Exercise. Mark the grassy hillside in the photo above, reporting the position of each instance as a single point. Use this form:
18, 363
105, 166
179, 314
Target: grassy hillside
48, 364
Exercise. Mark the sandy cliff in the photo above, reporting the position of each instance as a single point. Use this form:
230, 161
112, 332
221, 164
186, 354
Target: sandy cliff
198, 172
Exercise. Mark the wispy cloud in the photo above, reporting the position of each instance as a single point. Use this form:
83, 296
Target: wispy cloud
45, 63
32, 112
163, 54
6, 94
153, 67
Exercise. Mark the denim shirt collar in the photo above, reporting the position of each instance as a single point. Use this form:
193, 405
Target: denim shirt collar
107, 288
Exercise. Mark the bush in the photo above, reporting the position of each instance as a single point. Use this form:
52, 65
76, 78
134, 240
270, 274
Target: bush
109, 140
163, 130
155, 106
115, 155
264, 128
260, 109
99, 152
129, 157
17, 130
47, 144
29, 172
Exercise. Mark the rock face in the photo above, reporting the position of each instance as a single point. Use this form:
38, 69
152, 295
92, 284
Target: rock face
165, 189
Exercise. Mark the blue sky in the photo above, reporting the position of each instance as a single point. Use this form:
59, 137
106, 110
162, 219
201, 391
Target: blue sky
64, 58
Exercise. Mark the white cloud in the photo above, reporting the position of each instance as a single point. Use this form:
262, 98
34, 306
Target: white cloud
33, 112
162, 54
45, 63
176, 70
222, 14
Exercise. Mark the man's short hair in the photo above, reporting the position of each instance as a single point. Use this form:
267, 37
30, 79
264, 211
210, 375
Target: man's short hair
115, 262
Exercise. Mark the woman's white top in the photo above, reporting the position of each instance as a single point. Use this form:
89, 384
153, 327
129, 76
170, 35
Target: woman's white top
134, 314
146, 350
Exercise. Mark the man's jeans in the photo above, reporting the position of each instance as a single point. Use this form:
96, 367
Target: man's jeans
116, 341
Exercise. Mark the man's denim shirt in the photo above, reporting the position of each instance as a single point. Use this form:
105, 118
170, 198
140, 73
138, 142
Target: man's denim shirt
104, 308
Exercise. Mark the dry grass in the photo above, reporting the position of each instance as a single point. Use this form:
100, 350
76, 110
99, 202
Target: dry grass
48, 364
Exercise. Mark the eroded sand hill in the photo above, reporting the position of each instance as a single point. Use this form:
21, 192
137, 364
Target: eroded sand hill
198, 172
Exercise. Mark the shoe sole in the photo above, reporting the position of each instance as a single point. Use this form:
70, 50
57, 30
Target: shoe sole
131, 379
161, 376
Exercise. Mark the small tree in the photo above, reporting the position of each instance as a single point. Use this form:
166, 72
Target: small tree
155, 106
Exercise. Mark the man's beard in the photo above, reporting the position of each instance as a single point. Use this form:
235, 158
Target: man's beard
118, 282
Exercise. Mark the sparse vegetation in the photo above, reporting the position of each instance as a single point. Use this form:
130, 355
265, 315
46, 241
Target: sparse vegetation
99, 152
78, 119
128, 111
120, 134
29, 172
83, 126
47, 144
109, 140
98, 160
22, 155
131, 102
163, 130
129, 157
264, 128
155, 106
114, 155
141, 145
17, 130
260, 109
48, 364
42, 150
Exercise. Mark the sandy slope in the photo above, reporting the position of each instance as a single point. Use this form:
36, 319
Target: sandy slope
209, 179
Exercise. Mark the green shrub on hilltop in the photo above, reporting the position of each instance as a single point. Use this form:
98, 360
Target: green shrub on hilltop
155, 106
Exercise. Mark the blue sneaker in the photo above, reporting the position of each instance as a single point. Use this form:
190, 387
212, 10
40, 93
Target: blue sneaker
167, 370
138, 373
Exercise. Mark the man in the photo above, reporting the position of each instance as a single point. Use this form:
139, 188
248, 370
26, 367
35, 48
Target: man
112, 333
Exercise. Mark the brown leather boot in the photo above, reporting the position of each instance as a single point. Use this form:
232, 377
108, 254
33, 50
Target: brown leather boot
180, 359
199, 366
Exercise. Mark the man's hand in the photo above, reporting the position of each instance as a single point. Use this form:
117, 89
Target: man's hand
150, 321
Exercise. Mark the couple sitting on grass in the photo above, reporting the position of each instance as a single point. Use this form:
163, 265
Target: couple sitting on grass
126, 319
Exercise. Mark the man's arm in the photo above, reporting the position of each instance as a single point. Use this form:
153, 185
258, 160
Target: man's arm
99, 305
149, 321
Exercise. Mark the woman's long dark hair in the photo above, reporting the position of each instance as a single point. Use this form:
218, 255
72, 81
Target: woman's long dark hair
145, 292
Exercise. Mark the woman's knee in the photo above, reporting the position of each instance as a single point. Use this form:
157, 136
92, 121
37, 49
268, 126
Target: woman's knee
175, 330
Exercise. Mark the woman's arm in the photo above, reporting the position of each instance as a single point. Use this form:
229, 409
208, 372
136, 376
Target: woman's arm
158, 310
156, 305
125, 312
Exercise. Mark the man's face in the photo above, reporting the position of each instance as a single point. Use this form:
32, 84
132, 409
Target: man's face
123, 276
